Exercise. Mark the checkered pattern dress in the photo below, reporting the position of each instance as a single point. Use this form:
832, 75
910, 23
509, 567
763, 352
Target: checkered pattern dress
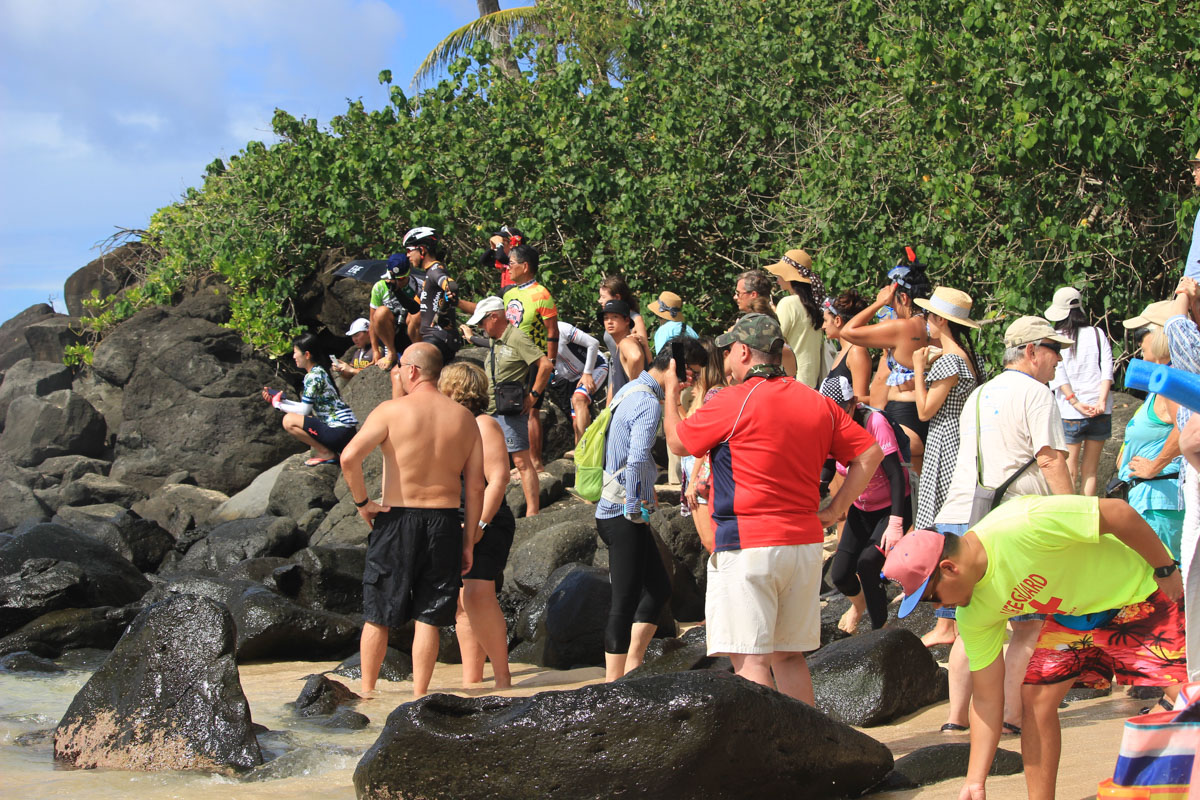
941, 444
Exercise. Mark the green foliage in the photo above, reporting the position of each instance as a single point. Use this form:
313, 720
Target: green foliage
1017, 147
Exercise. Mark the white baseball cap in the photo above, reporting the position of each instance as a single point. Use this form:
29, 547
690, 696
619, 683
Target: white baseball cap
359, 325
486, 306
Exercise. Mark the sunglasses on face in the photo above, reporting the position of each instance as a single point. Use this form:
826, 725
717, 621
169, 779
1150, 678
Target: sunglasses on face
1052, 346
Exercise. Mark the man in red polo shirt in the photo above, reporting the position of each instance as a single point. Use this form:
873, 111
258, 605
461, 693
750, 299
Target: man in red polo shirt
768, 437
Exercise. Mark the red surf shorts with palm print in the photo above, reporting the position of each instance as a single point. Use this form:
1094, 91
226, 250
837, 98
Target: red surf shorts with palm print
1141, 646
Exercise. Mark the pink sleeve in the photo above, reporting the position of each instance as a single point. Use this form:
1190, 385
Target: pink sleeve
881, 429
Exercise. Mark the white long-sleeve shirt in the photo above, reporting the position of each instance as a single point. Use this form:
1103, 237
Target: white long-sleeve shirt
1083, 367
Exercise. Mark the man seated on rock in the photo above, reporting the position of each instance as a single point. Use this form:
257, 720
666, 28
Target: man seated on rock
1111, 590
391, 297
358, 357
418, 550
768, 438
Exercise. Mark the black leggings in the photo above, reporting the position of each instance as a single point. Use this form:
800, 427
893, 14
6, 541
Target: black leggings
641, 587
858, 561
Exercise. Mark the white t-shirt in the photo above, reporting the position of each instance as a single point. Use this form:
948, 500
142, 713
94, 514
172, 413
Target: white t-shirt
1019, 419
1083, 367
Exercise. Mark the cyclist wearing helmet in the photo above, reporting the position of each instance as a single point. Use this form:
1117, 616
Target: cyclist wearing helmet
391, 296
439, 293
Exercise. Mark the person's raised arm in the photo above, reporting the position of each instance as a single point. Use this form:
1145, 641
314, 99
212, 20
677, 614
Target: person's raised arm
1119, 519
1053, 464
884, 334
369, 436
987, 717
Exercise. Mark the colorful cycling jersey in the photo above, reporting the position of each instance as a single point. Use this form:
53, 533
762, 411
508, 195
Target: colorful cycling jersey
578, 353
437, 310
327, 405
527, 307
405, 300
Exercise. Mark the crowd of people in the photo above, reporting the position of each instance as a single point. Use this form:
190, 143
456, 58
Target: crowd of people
976, 492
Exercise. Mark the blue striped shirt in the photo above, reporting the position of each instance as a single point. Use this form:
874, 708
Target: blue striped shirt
627, 450
1183, 338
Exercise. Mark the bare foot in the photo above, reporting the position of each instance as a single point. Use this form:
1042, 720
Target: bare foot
936, 637
849, 621
503, 684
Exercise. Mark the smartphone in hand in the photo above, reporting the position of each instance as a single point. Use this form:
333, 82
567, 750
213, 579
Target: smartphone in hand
677, 351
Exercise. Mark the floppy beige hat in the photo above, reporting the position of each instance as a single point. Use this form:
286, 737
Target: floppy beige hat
1196, 158
790, 265
951, 304
668, 306
1154, 314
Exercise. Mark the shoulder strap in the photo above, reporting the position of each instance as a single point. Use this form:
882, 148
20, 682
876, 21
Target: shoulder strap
738, 419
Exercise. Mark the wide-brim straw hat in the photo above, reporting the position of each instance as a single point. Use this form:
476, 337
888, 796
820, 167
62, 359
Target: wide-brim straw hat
669, 306
950, 304
1195, 159
1154, 314
790, 265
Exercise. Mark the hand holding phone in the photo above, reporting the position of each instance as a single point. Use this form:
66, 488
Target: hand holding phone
677, 353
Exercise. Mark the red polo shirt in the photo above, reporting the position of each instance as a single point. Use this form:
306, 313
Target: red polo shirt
768, 439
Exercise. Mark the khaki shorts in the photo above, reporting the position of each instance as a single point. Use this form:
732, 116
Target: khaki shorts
764, 600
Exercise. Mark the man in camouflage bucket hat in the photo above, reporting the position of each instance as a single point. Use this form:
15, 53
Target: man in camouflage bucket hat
763, 606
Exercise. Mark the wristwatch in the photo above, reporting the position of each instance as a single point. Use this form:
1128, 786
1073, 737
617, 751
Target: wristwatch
1167, 571
537, 395
482, 525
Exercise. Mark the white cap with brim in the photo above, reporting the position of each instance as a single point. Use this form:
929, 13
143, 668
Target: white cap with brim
485, 306
360, 325
1154, 314
1032, 329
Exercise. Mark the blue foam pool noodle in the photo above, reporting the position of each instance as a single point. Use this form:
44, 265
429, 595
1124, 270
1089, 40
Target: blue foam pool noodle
1176, 384
1138, 374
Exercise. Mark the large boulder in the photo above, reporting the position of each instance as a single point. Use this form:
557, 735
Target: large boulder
106, 275
18, 504
49, 338
231, 542
57, 632
332, 301
876, 677
64, 469
144, 542
191, 398
94, 489
250, 502
693, 734
13, 346
168, 698
270, 626
299, 488
111, 579
29, 377
328, 578
564, 624
39, 586
180, 507
322, 696
59, 424
533, 561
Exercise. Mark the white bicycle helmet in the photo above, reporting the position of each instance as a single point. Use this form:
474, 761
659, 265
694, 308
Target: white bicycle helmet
422, 236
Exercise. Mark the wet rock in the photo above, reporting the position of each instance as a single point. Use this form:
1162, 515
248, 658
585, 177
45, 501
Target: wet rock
260, 570
179, 507
231, 542
250, 502
173, 367
93, 489
143, 542
270, 626
941, 762
565, 621
665, 656
19, 504
397, 666
539, 555
25, 661
168, 698
678, 533
693, 734
13, 346
32, 378
61, 423
300, 488
321, 696
50, 635
328, 578
346, 719
41, 585
875, 677
111, 579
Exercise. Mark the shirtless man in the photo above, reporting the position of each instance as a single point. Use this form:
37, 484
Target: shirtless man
417, 550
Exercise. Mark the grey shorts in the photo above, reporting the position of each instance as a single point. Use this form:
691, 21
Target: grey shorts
516, 431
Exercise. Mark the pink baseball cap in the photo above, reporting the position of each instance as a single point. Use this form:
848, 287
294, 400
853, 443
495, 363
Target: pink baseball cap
911, 564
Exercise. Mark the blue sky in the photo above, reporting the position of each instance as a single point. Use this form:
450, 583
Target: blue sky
110, 109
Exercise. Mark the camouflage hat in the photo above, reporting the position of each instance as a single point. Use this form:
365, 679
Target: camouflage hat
756, 331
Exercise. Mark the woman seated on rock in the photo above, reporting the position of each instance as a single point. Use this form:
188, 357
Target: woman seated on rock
480, 624
321, 419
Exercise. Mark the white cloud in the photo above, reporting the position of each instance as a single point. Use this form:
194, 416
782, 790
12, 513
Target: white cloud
140, 119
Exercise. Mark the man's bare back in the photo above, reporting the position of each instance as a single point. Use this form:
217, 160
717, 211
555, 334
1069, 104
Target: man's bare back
428, 442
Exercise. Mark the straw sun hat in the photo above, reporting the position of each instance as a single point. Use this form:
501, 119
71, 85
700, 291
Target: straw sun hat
950, 304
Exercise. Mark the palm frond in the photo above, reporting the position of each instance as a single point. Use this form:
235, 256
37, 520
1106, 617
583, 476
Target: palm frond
509, 20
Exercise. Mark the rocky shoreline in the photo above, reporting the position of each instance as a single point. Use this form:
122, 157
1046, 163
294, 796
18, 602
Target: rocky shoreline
151, 505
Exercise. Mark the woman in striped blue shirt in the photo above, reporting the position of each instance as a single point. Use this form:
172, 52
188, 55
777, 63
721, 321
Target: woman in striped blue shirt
321, 419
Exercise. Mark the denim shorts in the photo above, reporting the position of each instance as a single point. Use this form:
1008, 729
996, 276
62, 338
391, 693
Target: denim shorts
1091, 429
516, 431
